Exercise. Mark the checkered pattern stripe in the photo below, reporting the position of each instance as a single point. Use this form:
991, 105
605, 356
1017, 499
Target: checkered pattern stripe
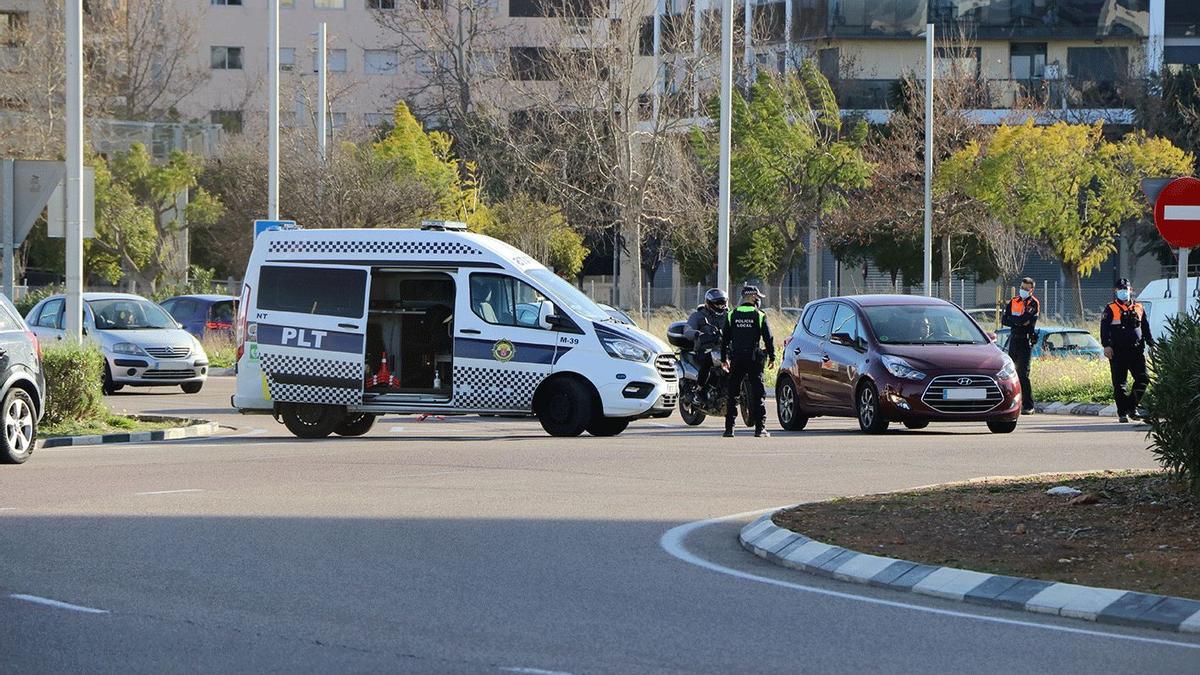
494, 389
373, 247
287, 364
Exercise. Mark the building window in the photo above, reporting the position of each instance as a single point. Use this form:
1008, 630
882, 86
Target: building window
329, 4
380, 61
531, 63
231, 120
381, 4
337, 121
226, 2
226, 58
287, 58
1098, 64
1027, 60
956, 62
543, 8
12, 28
335, 59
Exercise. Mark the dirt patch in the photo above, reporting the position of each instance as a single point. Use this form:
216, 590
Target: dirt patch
1134, 530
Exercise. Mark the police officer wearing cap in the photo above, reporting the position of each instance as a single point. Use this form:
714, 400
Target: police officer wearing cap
747, 329
1124, 333
704, 328
1021, 317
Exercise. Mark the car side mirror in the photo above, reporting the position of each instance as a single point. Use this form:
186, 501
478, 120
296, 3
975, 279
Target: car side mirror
991, 336
844, 340
546, 316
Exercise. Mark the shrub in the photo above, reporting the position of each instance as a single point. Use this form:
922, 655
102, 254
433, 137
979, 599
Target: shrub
1173, 399
74, 379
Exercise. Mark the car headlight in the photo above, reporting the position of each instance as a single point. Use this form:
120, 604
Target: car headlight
620, 348
128, 348
1009, 371
901, 368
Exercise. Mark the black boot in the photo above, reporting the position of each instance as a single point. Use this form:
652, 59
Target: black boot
728, 429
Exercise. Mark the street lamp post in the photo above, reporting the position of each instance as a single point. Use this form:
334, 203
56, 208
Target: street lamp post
74, 181
928, 239
273, 111
725, 134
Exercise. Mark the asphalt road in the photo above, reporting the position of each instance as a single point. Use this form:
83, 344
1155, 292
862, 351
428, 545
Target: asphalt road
482, 545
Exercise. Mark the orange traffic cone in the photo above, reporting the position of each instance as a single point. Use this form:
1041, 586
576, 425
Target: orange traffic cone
383, 377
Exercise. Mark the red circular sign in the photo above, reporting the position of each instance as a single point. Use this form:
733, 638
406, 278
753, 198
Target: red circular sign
1177, 213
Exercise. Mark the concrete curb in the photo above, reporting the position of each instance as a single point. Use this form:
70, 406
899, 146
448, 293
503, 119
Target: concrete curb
1103, 605
191, 429
1086, 409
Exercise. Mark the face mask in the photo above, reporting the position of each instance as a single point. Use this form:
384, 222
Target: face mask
1123, 295
1023, 293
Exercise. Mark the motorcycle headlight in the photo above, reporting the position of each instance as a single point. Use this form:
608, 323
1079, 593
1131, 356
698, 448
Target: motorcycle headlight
901, 368
128, 348
620, 348
1009, 371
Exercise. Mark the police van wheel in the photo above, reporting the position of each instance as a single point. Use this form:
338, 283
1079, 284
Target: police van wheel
564, 408
607, 426
310, 420
1002, 426
355, 425
787, 403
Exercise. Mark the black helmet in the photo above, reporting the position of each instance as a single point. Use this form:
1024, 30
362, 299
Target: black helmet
1123, 283
716, 300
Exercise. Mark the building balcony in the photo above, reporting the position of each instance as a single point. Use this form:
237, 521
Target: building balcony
996, 94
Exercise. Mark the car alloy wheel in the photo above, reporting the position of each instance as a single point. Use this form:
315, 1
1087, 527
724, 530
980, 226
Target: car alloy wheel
18, 425
866, 407
787, 405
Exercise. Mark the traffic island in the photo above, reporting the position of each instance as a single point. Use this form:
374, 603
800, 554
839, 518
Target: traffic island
126, 429
1113, 547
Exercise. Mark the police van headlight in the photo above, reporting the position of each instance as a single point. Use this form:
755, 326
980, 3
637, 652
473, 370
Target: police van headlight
620, 348
1009, 371
901, 368
128, 348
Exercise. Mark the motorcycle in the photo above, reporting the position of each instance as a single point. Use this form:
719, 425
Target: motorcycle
715, 394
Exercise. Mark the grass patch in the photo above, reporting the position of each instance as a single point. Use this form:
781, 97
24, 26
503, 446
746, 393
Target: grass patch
1141, 531
221, 350
1071, 380
102, 424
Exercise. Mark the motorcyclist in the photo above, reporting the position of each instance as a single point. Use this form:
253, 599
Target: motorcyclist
704, 328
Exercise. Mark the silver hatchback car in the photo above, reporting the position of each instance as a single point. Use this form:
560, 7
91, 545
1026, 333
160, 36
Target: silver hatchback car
142, 345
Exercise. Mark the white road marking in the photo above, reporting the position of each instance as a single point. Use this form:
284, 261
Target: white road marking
533, 671
170, 492
56, 603
8, 508
396, 430
672, 543
1181, 212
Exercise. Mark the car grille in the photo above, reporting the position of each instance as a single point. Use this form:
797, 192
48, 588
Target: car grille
168, 352
665, 364
934, 396
181, 374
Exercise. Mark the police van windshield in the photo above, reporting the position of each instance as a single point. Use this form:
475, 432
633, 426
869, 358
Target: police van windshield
570, 296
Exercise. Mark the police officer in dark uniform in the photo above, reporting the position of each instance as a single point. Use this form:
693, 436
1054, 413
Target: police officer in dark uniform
1124, 333
747, 329
1021, 316
704, 328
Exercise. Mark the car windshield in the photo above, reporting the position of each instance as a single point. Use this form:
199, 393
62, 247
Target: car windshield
1072, 341
570, 296
923, 325
129, 314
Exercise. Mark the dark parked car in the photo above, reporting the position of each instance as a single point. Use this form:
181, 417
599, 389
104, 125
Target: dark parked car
203, 314
894, 358
24, 385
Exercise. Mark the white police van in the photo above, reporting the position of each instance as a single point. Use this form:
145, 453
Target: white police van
336, 327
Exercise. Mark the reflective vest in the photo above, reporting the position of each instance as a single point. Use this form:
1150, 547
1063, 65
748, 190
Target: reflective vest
1119, 311
745, 326
1018, 305
1126, 326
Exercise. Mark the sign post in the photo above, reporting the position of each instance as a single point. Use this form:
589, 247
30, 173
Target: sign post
1177, 217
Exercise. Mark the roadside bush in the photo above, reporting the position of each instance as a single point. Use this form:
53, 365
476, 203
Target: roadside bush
33, 297
74, 376
1173, 400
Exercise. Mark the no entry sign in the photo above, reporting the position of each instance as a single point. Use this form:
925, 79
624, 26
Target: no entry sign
1177, 213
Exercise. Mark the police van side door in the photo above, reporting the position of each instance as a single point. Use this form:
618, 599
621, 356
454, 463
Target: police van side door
501, 352
311, 325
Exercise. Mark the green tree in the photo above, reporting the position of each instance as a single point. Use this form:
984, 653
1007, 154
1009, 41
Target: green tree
540, 230
1065, 185
428, 157
792, 162
137, 223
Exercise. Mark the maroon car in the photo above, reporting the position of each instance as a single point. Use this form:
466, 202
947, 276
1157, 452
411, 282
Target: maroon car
894, 358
